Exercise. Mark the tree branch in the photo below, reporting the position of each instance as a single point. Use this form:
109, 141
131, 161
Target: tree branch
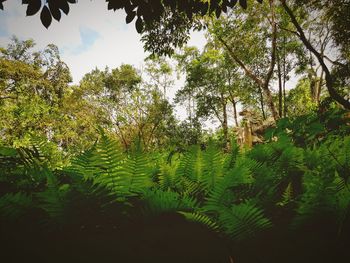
241, 64
329, 78
274, 44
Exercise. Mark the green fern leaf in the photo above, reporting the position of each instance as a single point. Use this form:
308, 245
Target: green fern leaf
202, 219
212, 167
243, 221
13, 206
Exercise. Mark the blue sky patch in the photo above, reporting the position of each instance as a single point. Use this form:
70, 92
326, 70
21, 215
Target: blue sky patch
88, 38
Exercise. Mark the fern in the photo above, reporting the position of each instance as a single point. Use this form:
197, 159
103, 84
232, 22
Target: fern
54, 198
158, 201
222, 195
167, 180
82, 165
316, 199
190, 164
243, 220
13, 206
202, 219
232, 156
191, 188
212, 167
137, 172
287, 196
108, 164
342, 207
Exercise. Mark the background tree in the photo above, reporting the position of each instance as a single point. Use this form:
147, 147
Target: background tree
160, 72
212, 87
238, 30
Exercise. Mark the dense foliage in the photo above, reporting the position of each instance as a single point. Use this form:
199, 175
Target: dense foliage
243, 195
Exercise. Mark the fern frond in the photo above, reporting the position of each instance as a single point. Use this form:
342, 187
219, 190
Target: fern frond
167, 177
13, 206
212, 166
200, 218
191, 188
317, 198
190, 164
243, 220
222, 194
231, 157
54, 199
108, 163
136, 170
158, 201
287, 195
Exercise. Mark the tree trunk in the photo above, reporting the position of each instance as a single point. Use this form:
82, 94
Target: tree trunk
280, 95
262, 103
234, 104
269, 101
329, 78
284, 79
319, 87
263, 83
224, 122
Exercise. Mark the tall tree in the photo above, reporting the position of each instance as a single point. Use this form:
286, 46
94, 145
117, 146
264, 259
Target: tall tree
319, 55
240, 29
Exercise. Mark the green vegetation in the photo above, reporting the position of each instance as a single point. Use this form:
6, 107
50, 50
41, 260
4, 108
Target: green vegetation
103, 170
242, 195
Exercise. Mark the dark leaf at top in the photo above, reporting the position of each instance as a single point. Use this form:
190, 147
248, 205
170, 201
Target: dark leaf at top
1, 6
33, 7
139, 25
55, 10
243, 3
45, 17
130, 17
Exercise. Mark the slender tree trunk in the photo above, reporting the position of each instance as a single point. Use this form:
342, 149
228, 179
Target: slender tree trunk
269, 101
234, 105
280, 95
224, 122
284, 79
189, 109
262, 103
319, 87
313, 85
235, 116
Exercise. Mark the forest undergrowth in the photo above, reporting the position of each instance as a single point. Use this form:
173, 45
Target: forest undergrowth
284, 200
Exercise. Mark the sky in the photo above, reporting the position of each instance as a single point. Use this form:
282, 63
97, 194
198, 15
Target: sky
83, 37
90, 36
